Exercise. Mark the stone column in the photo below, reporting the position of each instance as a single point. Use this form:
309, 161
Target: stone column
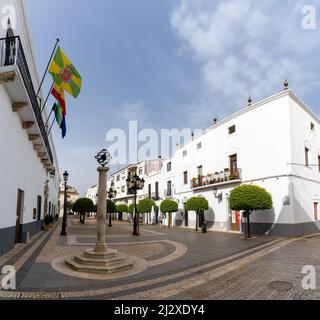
101, 246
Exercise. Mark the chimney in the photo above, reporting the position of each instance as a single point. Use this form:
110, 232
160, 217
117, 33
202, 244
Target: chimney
215, 121
249, 102
286, 85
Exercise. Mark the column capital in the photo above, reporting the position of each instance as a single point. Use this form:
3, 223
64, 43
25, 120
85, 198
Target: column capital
103, 169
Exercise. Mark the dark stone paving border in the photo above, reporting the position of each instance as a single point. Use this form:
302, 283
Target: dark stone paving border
126, 281
11, 261
23, 271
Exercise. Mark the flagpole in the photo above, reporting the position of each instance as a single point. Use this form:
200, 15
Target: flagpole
49, 117
45, 73
45, 103
51, 128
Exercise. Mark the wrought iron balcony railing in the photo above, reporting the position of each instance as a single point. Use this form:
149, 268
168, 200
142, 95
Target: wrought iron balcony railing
218, 177
12, 53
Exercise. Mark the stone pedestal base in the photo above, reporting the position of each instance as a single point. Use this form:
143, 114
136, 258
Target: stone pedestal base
101, 262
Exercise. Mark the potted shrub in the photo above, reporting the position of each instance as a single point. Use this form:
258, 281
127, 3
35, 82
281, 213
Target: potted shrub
46, 224
51, 222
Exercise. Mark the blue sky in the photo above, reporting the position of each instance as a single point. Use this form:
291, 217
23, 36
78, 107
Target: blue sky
170, 64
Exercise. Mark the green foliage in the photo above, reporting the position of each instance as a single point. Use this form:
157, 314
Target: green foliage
197, 204
122, 208
146, 205
169, 206
131, 208
95, 208
249, 198
46, 220
111, 207
69, 205
83, 206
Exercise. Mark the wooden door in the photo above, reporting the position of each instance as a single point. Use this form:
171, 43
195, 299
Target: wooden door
20, 205
233, 164
235, 221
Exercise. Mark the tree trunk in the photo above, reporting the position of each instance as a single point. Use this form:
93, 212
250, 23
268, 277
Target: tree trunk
197, 219
248, 221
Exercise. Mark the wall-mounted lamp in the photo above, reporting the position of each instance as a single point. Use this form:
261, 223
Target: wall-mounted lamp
217, 195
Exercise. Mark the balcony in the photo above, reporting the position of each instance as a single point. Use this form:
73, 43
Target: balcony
219, 178
167, 193
16, 78
155, 196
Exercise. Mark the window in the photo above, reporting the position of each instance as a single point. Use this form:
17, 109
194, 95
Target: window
118, 178
39, 204
169, 166
184, 154
232, 130
319, 162
157, 190
233, 164
149, 191
140, 172
169, 189
306, 155
123, 189
316, 211
200, 171
199, 145
185, 177
312, 126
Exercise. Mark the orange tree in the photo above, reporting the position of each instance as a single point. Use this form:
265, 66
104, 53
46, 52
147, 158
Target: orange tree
169, 206
197, 204
248, 199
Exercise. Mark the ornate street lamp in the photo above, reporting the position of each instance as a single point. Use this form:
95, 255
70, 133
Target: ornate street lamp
111, 194
64, 221
134, 183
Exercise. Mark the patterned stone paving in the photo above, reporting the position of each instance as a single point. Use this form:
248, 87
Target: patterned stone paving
175, 264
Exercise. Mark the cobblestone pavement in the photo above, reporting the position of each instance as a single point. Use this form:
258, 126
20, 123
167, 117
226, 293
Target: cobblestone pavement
179, 264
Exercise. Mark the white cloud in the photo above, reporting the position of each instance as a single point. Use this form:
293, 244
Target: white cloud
247, 48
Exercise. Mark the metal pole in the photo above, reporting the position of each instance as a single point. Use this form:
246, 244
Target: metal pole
51, 127
47, 98
64, 221
45, 73
135, 228
110, 220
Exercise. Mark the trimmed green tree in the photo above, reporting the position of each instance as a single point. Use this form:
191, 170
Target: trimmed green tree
145, 207
121, 209
248, 199
83, 206
169, 206
111, 208
131, 208
197, 204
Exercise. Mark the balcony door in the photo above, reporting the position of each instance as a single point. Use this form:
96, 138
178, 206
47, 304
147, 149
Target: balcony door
233, 164
20, 205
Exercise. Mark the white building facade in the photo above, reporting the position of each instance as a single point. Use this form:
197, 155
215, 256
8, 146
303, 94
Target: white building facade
274, 143
29, 168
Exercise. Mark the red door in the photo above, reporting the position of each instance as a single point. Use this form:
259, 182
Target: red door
316, 212
235, 221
